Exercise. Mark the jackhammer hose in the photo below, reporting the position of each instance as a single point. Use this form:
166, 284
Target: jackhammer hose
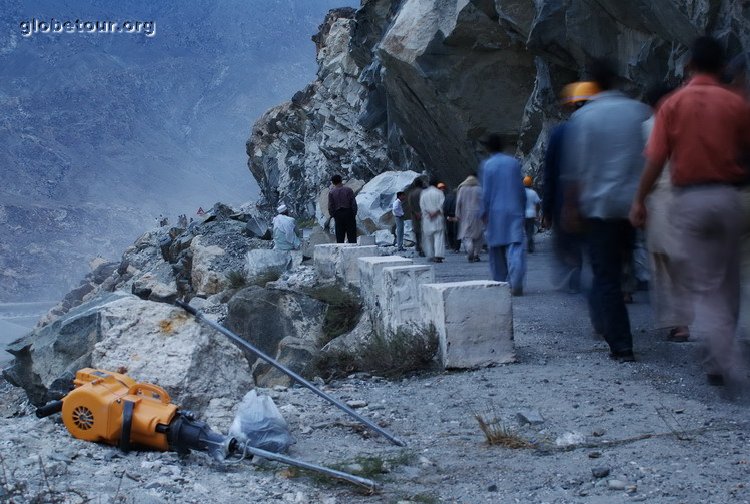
49, 409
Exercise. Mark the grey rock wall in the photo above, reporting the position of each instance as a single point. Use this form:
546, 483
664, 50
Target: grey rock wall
415, 84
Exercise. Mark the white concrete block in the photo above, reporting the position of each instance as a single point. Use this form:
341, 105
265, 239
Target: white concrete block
371, 277
474, 321
349, 267
366, 240
402, 297
327, 258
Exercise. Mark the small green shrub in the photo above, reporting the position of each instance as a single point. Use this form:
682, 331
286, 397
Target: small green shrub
262, 280
237, 279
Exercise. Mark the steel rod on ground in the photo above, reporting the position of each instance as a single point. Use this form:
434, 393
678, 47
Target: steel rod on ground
357, 480
229, 334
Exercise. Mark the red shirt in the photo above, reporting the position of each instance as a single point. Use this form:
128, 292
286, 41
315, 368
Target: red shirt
702, 130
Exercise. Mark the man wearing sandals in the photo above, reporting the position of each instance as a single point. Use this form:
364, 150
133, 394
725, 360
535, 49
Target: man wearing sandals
702, 130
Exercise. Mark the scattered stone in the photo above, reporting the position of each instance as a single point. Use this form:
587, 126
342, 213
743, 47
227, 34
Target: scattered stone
598, 432
615, 484
354, 468
595, 455
531, 417
366, 240
600, 472
570, 439
492, 488
356, 403
425, 462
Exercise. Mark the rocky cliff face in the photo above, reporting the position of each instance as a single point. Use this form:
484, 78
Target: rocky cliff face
413, 84
334, 125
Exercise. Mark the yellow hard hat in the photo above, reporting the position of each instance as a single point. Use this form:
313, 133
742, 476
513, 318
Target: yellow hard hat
527, 181
578, 92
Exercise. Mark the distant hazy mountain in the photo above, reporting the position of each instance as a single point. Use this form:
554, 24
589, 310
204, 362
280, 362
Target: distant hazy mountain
101, 132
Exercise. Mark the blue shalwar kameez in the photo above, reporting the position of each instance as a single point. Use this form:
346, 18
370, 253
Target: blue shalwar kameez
504, 205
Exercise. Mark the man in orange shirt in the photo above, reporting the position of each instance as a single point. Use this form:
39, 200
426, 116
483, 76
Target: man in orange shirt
702, 130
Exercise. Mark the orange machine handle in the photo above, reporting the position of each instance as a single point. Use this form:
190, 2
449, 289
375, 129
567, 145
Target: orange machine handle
156, 392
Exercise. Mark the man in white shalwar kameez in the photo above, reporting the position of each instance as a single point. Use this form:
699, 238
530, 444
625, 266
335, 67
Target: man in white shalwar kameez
285, 230
433, 224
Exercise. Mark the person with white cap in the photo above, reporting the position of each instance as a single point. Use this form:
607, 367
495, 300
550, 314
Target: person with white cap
285, 230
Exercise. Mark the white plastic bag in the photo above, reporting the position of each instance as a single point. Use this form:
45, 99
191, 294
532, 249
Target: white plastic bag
259, 423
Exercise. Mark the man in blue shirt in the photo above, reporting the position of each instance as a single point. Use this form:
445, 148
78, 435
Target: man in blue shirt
604, 147
503, 211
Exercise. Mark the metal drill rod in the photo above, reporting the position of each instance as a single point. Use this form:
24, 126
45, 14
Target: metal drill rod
369, 484
229, 334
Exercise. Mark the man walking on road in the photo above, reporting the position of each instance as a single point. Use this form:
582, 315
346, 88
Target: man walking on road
433, 223
606, 162
532, 212
703, 129
342, 206
503, 210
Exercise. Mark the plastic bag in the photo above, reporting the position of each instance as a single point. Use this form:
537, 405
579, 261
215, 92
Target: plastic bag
259, 423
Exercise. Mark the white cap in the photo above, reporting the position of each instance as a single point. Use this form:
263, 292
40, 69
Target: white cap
281, 208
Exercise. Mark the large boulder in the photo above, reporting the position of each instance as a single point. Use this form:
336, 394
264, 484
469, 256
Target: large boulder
46, 359
153, 342
453, 74
164, 345
297, 146
270, 264
285, 325
376, 197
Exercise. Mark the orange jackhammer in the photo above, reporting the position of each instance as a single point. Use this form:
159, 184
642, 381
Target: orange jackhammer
113, 408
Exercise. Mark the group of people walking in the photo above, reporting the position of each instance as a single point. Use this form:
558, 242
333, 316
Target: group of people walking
497, 208
676, 166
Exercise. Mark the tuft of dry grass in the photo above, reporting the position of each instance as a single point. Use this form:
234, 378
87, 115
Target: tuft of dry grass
497, 433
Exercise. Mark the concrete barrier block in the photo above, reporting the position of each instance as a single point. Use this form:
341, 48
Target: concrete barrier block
402, 297
371, 277
474, 322
348, 265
